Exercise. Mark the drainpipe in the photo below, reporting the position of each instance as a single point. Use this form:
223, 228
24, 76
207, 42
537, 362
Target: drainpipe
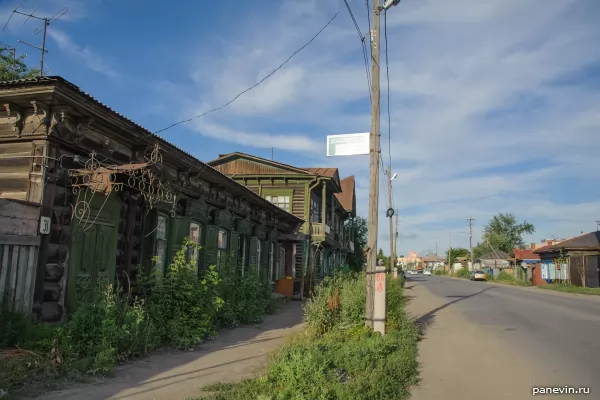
310, 260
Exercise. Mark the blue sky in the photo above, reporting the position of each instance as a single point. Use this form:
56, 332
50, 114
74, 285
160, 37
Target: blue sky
495, 104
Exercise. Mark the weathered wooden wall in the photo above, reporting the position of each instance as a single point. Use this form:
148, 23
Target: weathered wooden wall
19, 245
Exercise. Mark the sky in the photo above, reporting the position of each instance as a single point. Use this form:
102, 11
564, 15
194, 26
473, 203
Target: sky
494, 105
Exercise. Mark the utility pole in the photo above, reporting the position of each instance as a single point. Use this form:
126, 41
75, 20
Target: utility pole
396, 239
375, 302
471, 239
390, 215
450, 253
373, 168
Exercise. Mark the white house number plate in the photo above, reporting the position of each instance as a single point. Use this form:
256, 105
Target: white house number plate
45, 225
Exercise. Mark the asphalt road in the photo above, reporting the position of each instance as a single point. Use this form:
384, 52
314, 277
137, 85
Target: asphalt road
536, 337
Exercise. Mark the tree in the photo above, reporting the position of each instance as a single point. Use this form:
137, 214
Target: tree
503, 233
357, 260
455, 253
381, 256
21, 70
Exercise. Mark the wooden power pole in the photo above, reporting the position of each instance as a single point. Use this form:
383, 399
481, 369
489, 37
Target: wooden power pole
396, 239
374, 172
471, 239
391, 215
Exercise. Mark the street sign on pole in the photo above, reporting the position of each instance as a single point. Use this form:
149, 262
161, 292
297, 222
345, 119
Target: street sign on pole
351, 144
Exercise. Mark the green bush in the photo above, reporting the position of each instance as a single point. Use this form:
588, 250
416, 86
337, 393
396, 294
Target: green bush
338, 357
177, 310
507, 278
463, 273
247, 296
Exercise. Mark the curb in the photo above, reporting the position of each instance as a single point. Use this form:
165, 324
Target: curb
534, 289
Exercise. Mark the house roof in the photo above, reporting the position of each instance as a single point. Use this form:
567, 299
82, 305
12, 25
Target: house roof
495, 255
347, 197
434, 258
328, 172
233, 185
589, 241
526, 254
225, 157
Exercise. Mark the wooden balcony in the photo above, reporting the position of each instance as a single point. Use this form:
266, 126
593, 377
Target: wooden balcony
320, 232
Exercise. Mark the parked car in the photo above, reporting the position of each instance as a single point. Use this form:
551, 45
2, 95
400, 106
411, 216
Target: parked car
478, 276
427, 272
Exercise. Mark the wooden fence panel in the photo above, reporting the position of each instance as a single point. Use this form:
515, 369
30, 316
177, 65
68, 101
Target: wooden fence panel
18, 255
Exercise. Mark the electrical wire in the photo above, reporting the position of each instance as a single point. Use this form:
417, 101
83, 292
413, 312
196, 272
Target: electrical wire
256, 84
387, 69
364, 48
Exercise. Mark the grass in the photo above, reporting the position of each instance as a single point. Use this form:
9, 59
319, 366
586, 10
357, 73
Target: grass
337, 357
570, 288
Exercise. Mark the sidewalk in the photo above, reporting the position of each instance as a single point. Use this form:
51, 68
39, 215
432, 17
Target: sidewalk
233, 355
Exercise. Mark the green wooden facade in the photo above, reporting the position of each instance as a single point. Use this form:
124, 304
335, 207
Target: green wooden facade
312, 194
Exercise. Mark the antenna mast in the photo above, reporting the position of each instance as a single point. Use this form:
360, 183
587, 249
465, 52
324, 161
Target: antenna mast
45, 23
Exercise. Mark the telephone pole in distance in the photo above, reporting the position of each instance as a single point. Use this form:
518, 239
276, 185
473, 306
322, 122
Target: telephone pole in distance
471, 239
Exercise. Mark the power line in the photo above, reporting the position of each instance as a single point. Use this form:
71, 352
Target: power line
363, 45
387, 69
256, 84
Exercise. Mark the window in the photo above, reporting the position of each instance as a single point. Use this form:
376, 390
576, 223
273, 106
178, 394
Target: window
222, 244
258, 256
280, 201
315, 210
161, 243
281, 267
195, 234
272, 272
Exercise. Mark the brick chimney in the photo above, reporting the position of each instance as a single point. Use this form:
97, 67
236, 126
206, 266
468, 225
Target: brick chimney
532, 246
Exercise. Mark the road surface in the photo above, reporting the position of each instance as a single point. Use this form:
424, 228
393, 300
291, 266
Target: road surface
499, 342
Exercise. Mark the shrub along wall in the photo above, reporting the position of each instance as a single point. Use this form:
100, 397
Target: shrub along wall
178, 310
337, 357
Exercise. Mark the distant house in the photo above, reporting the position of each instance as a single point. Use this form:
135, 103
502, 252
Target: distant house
525, 260
581, 255
493, 262
433, 262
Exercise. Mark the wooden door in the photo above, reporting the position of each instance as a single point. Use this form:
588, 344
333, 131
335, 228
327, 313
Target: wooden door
93, 255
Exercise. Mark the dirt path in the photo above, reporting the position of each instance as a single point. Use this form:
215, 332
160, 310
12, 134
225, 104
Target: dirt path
461, 359
234, 355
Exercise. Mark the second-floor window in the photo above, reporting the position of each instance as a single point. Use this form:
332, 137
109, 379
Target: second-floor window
315, 210
280, 201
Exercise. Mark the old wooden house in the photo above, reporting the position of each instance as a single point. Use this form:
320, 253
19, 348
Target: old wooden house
576, 260
317, 195
114, 195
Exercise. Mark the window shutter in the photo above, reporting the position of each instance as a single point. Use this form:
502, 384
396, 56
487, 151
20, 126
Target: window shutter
264, 259
234, 243
179, 229
210, 245
253, 262
149, 238
276, 266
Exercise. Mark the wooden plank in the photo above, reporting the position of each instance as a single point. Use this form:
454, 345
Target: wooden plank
14, 209
21, 278
12, 283
30, 280
14, 195
19, 148
20, 240
18, 227
3, 271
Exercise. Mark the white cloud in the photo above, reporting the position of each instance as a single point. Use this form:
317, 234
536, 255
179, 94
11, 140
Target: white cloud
474, 94
93, 60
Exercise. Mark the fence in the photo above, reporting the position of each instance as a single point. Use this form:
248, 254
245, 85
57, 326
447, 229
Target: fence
19, 244
18, 255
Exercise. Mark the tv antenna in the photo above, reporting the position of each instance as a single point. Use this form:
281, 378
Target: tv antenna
43, 28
